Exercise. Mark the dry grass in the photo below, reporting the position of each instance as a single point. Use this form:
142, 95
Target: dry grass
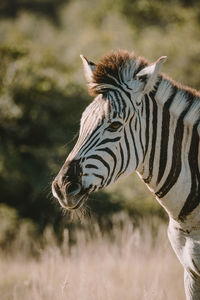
131, 265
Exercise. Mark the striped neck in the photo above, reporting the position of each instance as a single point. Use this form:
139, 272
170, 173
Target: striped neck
171, 145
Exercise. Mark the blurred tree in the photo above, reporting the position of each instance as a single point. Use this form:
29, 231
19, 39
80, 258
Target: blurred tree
35, 120
49, 8
142, 13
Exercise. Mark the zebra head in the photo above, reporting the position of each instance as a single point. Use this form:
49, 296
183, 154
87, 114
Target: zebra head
111, 140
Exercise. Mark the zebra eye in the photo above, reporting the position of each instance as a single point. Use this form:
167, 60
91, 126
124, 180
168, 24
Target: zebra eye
114, 126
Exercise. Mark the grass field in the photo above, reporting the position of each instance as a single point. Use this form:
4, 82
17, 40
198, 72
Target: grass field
133, 264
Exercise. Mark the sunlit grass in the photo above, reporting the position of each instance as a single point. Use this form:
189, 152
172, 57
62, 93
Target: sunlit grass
133, 264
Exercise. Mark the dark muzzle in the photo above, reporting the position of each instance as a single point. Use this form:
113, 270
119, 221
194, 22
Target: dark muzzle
67, 186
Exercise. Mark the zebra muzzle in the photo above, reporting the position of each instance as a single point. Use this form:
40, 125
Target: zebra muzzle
67, 186
70, 195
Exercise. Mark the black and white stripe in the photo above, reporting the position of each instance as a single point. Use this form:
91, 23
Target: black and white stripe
142, 121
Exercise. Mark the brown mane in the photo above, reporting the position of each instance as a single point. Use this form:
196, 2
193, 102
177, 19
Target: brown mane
111, 64
180, 86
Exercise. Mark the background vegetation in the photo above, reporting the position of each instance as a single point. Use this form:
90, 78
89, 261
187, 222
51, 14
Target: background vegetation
129, 266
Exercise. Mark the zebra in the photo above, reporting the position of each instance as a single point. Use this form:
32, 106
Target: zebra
143, 121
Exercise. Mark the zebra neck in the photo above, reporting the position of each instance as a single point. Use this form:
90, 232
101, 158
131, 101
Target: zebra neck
151, 122
171, 163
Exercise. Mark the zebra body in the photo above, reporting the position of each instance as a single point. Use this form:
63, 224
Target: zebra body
141, 121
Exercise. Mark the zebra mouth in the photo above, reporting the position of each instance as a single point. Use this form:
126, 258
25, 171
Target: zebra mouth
73, 203
79, 204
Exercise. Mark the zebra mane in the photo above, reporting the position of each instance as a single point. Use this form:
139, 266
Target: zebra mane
114, 69
121, 66
180, 86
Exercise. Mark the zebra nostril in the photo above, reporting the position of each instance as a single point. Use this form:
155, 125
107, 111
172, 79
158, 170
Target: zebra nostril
73, 189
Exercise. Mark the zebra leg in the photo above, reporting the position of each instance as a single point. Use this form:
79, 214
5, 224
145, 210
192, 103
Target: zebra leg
192, 285
191, 258
187, 248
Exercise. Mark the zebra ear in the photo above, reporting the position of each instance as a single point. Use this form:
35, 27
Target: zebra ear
149, 74
89, 67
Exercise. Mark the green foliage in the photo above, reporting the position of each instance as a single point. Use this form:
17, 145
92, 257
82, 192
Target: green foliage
8, 224
39, 113
16, 232
43, 92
